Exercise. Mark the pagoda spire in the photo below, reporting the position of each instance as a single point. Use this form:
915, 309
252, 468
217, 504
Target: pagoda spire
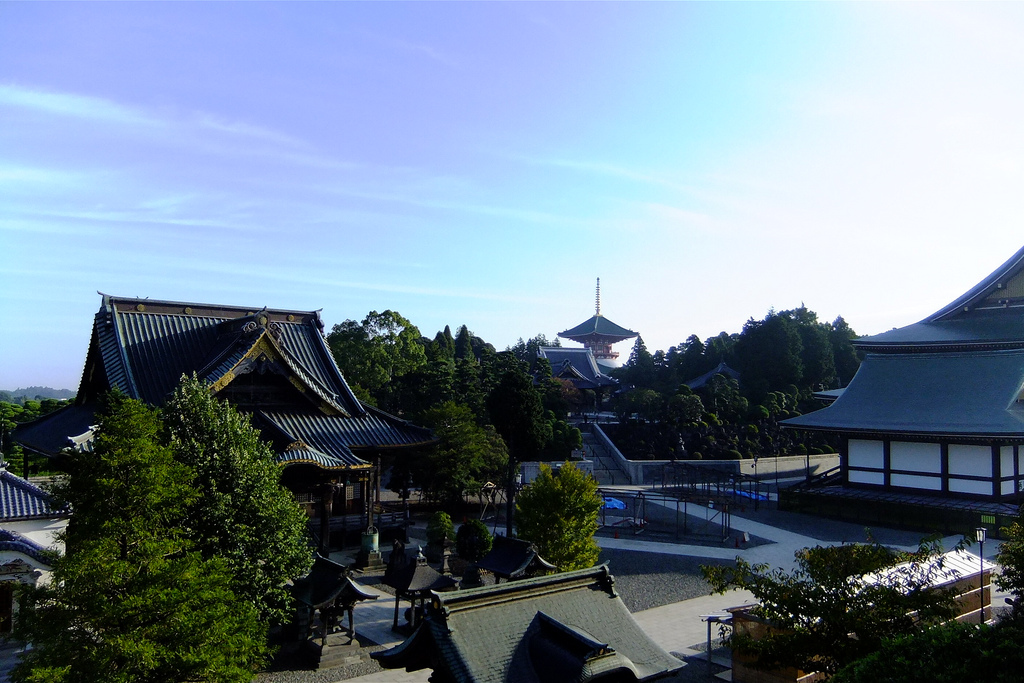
599, 333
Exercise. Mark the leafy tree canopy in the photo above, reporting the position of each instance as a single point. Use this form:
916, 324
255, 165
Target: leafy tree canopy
243, 514
951, 653
377, 352
826, 613
558, 512
466, 456
130, 600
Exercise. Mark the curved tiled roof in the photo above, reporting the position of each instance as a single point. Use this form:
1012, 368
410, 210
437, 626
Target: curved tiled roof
578, 362
21, 499
971, 394
562, 627
335, 437
598, 326
15, 542
989, 315
143, 347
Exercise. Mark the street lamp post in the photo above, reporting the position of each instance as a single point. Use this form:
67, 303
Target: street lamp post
979, 535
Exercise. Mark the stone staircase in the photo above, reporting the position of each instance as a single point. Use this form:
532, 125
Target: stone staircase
606, 470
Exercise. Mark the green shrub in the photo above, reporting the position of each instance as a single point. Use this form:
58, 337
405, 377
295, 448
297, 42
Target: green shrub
439, 528
473, 540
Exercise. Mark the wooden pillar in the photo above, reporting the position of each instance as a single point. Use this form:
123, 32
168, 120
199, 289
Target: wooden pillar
326, 509
997, 472
394, 627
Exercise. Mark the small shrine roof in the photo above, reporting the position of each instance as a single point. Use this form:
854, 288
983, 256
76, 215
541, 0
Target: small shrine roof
513, 558
562, 627
720, 369
418, 578
326, 582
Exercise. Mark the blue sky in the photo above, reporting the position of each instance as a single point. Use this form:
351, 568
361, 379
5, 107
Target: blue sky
483, 163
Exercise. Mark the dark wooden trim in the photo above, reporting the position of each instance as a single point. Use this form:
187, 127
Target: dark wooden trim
886, 462
997, 469
944, 465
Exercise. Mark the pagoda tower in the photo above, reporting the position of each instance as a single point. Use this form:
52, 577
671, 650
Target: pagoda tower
598, 334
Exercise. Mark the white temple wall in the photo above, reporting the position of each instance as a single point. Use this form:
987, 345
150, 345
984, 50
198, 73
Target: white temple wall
915, 457
865, 453
971, 460
956, 468
915, 481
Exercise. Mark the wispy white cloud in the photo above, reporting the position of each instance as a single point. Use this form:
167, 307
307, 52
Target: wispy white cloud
100, 109
604, 169
248, 130
674, 217
425, 50
68, 104
531, 216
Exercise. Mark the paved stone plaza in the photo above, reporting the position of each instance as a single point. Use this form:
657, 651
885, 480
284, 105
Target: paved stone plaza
659, 581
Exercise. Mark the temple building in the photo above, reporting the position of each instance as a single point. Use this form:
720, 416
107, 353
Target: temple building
579, 368
936, 410
569, 626
598, 334
274, 365
29, 528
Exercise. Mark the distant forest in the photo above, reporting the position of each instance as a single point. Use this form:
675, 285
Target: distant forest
19, 396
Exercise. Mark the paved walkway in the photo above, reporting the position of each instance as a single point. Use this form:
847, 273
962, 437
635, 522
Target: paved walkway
676, 627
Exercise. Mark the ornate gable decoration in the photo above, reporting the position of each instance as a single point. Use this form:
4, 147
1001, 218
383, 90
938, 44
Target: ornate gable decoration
257, 347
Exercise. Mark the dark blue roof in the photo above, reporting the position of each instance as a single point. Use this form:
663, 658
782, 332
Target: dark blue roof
576, 365
955, 393
989, 315
21, 499
143, 347
328, 440
15, 542
720, 369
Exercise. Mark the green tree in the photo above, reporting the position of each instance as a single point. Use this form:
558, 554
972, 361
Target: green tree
951, 653
847, 358
130, 601
639, 371
833, 608
376, 353
816, 356
558, 512
563, 441
518, 416
465, 457
769, 355
243, 514
439, 528
473, 540
1011, 560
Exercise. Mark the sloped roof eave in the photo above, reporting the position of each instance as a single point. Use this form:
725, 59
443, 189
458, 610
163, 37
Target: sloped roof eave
941, 394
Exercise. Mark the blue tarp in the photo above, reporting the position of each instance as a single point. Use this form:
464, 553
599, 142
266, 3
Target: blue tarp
614, 504
747, 494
